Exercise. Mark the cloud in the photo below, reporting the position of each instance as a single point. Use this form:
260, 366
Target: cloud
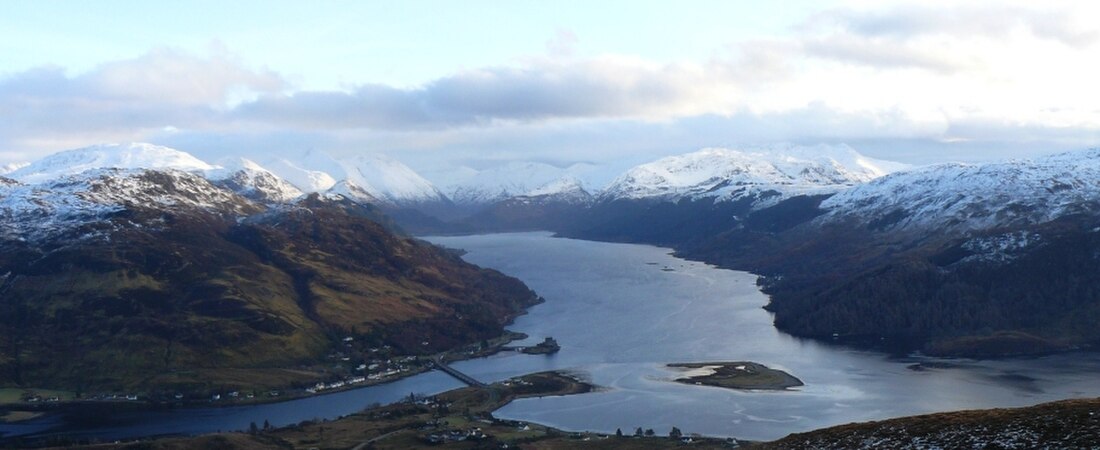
1067, 23
595, 88
942, 37
125, 98
972, 76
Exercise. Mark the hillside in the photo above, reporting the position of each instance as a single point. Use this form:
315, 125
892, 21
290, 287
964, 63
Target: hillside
139, 280
981, 260
1064, 424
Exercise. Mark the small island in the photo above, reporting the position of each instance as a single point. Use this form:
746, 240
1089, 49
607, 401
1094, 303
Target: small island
737, 375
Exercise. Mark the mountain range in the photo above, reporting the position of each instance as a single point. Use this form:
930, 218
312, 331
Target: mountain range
954, 259
138, 268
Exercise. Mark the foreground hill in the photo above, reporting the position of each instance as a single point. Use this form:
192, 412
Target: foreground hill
1064, 424
138, 280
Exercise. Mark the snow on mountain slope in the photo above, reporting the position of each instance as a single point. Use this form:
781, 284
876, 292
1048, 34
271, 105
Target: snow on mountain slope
120, 156
384, 179
12, 167
565, 190
971, 197
514, 178
725, 174
351, 191
390, 180
304, 178
252, 181
35, 212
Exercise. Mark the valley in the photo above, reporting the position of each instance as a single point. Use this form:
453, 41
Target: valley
193, 281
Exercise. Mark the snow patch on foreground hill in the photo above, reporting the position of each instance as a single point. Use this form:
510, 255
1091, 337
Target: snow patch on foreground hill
41, 212
119, 156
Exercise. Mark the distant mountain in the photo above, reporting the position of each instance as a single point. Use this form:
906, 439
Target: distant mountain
384, 181
252, 181
161, 280
728, 175
964, 197
11, 167
566, 190
975, 260
352, 191
551, 206
488, 186
390, 180
300, 175
690, 197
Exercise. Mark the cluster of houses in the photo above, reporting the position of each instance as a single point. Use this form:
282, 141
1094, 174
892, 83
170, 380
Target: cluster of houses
32, 398
470, 434
335, 384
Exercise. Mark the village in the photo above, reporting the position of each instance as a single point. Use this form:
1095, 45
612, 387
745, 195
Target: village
351, 364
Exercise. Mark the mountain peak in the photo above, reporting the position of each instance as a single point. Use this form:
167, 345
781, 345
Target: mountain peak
390, 179
132, 155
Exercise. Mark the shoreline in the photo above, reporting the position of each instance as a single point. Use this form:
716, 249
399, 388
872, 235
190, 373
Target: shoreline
458, 417
22, 412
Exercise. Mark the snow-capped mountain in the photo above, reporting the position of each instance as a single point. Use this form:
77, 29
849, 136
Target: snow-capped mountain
970, 197
119, 156
351, 191
498, 183
36, 212
384, 179
566, 190
726, 174
375, 178
252, 181
305, 179
11, 167
390, 180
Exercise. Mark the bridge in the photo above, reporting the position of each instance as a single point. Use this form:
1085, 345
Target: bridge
442, 365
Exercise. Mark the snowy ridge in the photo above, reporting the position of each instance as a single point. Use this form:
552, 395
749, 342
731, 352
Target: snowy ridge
511, 179
50, 209
252, 181
12, 167
306, 180
120, 156
725, 174
350, 191
384, 179
963, 197
567, 190
390, 180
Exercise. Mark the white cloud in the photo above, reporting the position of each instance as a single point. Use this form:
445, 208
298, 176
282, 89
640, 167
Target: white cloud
972, 75
44, 107
604, 87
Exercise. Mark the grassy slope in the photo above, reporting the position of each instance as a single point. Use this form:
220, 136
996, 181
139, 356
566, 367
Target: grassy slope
1064, 424
210, 301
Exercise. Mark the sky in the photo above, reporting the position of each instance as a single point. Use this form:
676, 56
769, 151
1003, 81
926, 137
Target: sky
440, 84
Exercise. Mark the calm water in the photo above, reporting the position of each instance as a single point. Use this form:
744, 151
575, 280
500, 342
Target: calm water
621, 312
